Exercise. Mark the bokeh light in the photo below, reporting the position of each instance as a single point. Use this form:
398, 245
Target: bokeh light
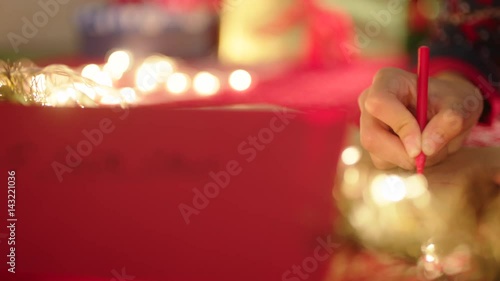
178, 83
240, 80
94, 73
90, 71
388, 189
155, 70
128, 94
110, 100
61, 97
416, 186
118, 63
351, 155
206, 84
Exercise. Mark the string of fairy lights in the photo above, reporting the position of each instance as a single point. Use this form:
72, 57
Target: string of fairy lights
161, 73
121, 80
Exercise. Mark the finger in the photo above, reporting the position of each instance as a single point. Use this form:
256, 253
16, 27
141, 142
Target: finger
442, 128
452, 147
381, 164
457, 143
387, 101
380, 142
437, 158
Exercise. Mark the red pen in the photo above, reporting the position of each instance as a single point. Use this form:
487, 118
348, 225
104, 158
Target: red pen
422, 96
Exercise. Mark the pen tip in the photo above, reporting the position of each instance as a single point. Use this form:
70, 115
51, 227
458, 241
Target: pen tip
420, 170
420, 163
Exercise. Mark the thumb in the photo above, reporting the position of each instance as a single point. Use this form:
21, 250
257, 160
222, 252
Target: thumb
442, 129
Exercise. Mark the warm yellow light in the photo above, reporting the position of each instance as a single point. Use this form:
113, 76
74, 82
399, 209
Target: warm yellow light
351, 176
430, 258
178, 83
104, 79
110, 100
240, 80
351, 155
431, 248
388, 189
118, 63
94, 73
39, 83
362, 216
62, 96
120, 60
163, 69
351, 189
206, 84
145, 79
90, 71
128, 94
154, 71
416, 186
86, 89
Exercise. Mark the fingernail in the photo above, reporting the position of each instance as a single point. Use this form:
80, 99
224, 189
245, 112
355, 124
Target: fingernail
431, 143
412, 146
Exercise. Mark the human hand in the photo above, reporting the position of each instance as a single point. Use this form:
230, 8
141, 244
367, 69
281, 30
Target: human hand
390, 132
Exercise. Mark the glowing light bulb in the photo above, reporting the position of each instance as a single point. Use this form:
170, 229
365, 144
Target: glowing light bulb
388, 189
416, 186
163, 69
430, 258
94, 73
178, 83
128, 94
206, 84
154, 71
118, 63
104, 79
240, 80
110, 100
145, 81
86, 89
431, 248
351, 155
90, 71
62, 96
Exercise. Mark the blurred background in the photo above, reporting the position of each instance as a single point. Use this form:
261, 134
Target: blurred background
241, 34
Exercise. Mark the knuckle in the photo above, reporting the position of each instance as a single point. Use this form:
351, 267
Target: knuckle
375, 104
402, 126
386, 72
362, 98
454, 122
